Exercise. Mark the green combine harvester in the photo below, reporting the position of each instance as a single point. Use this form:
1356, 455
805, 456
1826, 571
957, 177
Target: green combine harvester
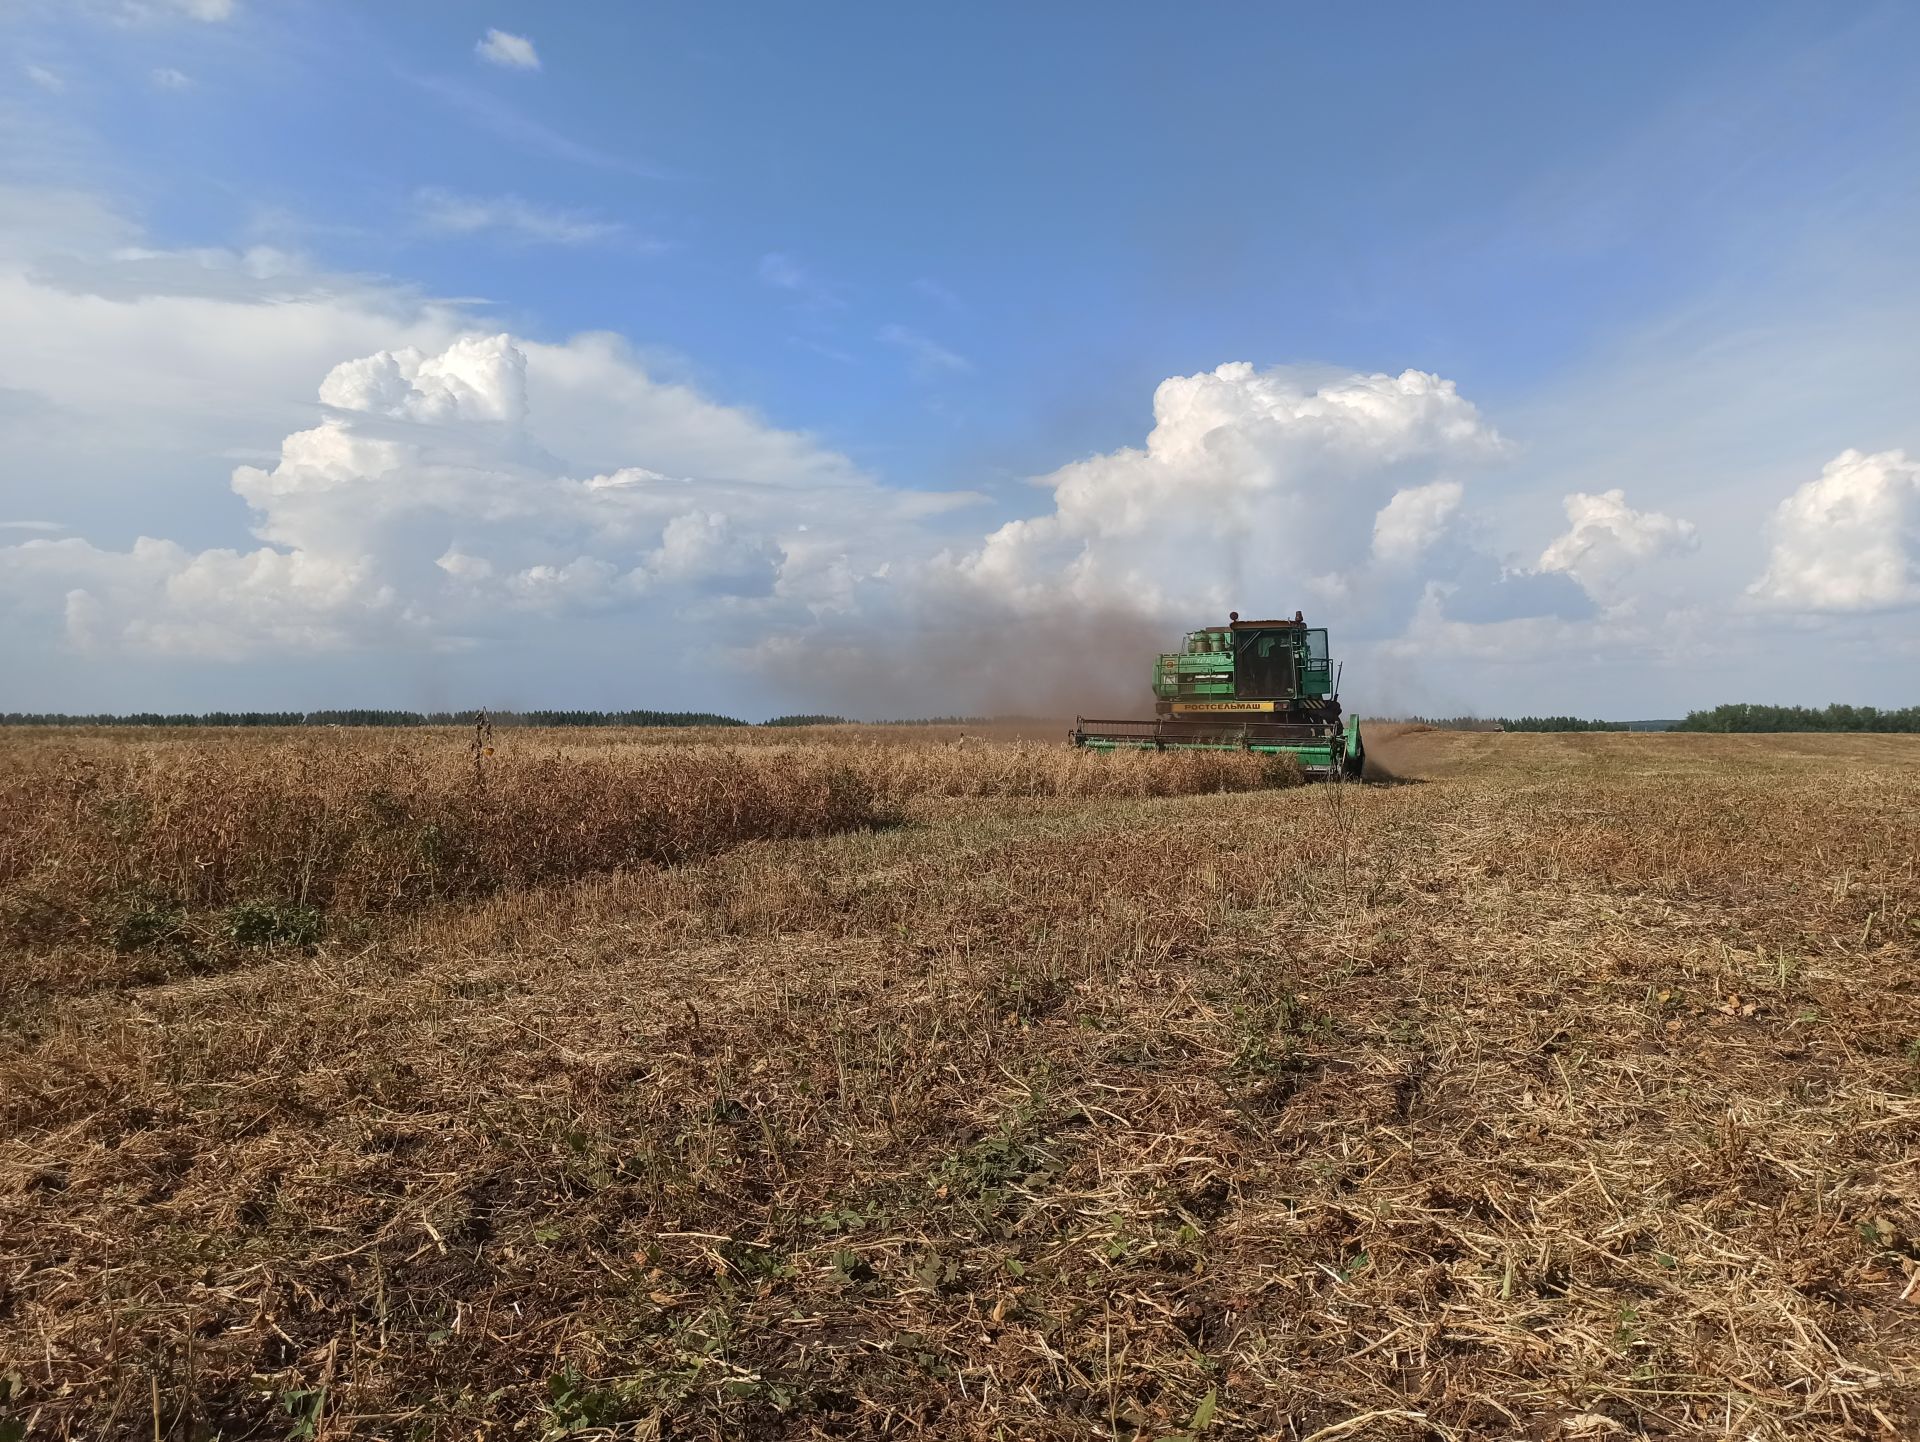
1262, 686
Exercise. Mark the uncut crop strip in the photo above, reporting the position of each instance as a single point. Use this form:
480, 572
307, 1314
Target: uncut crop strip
168, 851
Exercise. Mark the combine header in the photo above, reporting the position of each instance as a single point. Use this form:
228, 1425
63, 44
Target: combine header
1264, 686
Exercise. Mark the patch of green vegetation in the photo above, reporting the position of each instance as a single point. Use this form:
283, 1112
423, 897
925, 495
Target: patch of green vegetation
986, 1169
938, 1270
1270, 1034
146, 926
1201, 1420
757, 1263
305, 1406
272, 923
577, 1404
852, 1269
841, 1219
1027, 994
1627, 1333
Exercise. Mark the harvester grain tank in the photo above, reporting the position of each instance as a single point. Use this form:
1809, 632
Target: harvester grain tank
1262, 686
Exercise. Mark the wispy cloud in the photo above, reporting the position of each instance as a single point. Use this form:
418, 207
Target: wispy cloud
165, 77
514, 52
503, 120
929, 357
934, 291
450, 213
147, 10
779, 270
46, 79
783, 272
831, 353
286, 228
31, 526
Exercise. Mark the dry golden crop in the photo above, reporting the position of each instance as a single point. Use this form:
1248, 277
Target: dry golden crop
1570, 1089
164, 855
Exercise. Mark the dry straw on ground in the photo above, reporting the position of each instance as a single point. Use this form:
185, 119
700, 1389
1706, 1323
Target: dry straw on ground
1573, 1091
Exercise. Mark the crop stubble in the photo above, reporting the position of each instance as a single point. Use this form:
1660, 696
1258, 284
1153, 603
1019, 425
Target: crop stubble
1573, 1091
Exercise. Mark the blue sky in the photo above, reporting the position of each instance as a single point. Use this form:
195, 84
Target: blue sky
862, 255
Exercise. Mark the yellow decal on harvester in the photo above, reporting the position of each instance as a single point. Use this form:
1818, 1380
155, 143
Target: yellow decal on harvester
1184, 708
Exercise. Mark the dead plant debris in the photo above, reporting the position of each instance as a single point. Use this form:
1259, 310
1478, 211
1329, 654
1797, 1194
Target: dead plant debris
1573, 1092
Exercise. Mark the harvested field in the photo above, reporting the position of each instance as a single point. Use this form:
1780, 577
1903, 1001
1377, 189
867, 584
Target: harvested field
962, 1088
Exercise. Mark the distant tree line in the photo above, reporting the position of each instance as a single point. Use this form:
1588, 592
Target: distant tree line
587, 718
808, 719
1745, 716
1560, 723
375, 717
1522, 723
372, 717
1742, 716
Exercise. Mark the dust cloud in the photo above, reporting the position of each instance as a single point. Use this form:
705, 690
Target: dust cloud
1058, 664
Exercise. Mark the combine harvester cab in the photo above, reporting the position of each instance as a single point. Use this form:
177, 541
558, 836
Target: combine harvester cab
1262, 686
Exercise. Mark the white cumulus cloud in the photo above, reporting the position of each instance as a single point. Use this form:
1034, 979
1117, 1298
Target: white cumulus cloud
1414, 519
477, 378
514, 52
165, 77
431, 505
1607, 542
1251, 484
1849, 540
159, 598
